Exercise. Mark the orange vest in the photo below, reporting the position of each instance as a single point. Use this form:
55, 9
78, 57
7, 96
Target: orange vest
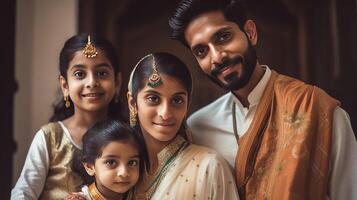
285, 153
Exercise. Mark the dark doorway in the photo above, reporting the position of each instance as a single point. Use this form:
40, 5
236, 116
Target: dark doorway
8, 86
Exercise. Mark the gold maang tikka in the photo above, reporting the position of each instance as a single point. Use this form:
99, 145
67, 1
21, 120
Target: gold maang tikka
89, 50
154, 79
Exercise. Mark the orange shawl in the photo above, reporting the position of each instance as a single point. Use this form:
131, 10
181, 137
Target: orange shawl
285, 152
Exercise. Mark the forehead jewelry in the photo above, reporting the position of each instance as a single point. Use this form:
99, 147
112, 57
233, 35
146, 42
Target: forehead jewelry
89, 50
154, 79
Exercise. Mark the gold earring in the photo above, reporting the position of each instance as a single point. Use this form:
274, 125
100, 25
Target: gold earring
133, 115
67, 102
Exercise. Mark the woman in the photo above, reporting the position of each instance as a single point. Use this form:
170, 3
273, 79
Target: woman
160, 87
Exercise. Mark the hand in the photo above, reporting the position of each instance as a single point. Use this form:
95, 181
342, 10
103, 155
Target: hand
75, 196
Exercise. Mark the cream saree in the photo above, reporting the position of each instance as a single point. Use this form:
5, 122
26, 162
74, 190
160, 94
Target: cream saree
195, 172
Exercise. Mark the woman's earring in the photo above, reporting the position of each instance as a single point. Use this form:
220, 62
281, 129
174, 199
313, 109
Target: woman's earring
67, 102
133, 115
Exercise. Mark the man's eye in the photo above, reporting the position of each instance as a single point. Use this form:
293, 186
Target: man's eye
225, 36
200, 52
133, 163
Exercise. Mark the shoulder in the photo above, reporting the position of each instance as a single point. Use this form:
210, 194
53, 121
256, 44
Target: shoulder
52, 131
206, 155
206, 113
52, 127
293, 90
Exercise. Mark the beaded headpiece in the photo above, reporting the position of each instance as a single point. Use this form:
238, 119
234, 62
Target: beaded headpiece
89, 50
154, 79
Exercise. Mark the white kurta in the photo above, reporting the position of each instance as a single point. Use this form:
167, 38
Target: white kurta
212, 126
197, 173
33, 176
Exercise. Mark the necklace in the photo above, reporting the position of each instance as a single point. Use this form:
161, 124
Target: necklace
166, 159
94, 193
234, 118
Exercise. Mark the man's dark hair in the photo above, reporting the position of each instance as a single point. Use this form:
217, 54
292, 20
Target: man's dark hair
188, 10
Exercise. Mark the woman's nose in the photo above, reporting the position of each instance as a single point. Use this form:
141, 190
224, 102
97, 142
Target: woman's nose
165, 111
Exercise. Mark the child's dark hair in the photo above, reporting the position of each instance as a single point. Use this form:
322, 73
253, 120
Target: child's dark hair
166, 64
188, 10
71, 46
100, 135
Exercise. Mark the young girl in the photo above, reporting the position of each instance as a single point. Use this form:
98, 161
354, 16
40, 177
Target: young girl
89, 80
111, 160
159, 91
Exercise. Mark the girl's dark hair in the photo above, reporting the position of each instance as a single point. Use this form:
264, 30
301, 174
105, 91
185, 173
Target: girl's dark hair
188, 10
166, 64
100, 135
71, 46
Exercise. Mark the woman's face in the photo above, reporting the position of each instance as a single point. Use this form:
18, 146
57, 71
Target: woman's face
161, 110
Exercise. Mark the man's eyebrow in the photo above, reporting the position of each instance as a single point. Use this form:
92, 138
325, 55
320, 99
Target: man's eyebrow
214, 36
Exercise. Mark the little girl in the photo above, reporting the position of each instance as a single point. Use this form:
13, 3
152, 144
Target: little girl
89, 80
111, 161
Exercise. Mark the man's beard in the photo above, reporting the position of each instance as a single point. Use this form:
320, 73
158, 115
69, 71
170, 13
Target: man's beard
234, 82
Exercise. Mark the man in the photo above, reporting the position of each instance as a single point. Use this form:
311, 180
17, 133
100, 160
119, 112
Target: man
286, 139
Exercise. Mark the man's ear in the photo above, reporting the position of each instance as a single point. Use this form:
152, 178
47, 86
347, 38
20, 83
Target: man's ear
64, 86
251, 30
89, 168
131, 101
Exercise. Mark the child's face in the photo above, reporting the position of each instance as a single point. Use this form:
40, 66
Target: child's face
117, 170
161, 110
91, 82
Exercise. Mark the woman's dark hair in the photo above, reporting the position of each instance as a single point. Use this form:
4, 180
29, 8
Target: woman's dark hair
188, 10
166, 64
100, 135
71, 46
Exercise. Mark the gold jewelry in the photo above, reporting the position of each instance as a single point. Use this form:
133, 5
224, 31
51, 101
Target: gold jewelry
154, 79
89, 50
94, 193
133, 114
67, 102
166, 157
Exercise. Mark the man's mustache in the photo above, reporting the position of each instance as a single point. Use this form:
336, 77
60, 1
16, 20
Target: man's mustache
225, 63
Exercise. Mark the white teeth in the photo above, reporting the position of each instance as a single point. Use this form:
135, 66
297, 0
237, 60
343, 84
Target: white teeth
91, 95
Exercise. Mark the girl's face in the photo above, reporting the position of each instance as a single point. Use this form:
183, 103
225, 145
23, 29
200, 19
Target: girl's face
117, 169
161, 110
91, 82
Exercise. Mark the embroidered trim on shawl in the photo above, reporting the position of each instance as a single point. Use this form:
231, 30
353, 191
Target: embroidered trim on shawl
165, 159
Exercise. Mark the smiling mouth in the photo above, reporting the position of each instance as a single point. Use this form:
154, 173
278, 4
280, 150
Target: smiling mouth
92, 95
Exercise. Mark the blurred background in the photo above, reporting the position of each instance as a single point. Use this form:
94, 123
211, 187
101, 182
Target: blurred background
315, 41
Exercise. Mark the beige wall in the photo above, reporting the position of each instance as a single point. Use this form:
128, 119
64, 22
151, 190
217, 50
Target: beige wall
42, 26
